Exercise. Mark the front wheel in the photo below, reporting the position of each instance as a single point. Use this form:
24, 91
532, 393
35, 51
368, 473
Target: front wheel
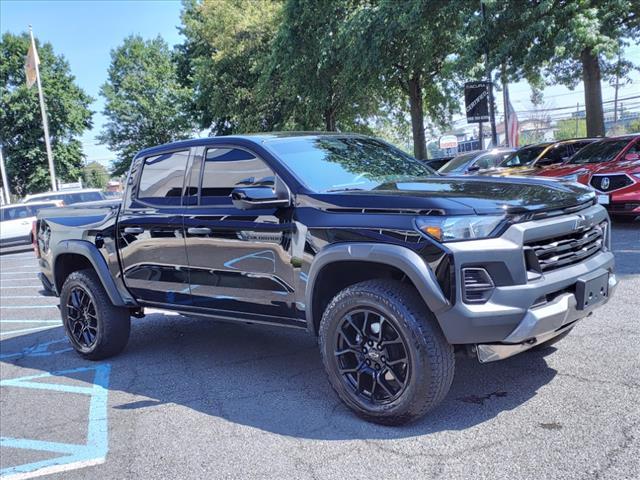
384, 353
96, 328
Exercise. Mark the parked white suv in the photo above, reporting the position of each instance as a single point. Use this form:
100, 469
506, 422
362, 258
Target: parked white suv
69, 197
16, 221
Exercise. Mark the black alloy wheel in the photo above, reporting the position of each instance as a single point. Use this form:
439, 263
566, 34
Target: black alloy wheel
372, 356
82, 319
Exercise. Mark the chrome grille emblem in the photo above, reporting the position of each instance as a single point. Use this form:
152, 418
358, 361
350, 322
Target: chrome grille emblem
605, 183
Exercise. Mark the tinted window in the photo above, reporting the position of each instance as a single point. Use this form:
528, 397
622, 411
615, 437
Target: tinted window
601, 151
53, 196
331, 163
490, 160
524, 156
15, 213
227, 168
459, 163
162, 178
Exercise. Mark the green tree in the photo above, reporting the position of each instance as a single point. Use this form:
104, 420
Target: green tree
560, 41
145, 105
223, 58
570, 128
407, 52
309, 64
95, 175
21, 133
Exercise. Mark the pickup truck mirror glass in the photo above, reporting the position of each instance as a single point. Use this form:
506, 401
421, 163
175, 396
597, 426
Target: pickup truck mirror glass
247, 198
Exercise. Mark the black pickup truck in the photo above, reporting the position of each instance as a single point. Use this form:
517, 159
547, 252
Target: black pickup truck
393, 267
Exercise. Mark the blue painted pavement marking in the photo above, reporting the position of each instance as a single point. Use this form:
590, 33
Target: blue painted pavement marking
74, 455
40, 350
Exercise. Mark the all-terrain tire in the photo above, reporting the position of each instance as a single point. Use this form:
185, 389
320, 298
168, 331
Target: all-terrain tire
113, 323
431, 357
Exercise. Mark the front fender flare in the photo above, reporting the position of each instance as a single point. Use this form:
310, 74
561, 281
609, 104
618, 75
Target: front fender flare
409, 262
91, 253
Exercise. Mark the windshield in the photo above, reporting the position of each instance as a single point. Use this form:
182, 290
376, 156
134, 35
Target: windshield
524, 156
603, 151
330, 164
458, 163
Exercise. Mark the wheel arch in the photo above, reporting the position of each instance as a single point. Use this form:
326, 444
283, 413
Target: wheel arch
339, 266
74, 255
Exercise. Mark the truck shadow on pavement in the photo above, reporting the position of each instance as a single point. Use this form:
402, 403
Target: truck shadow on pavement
270, 379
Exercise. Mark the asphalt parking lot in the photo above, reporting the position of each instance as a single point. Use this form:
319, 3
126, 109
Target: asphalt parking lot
200, 399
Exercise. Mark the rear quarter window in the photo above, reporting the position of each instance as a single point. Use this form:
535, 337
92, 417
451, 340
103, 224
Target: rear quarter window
162, 178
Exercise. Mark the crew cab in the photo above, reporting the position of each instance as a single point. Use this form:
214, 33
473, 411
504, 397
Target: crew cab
392, 266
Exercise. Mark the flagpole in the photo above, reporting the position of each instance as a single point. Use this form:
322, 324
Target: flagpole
505, 101
45, 123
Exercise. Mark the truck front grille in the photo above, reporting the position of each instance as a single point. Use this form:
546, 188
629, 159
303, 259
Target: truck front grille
562, 251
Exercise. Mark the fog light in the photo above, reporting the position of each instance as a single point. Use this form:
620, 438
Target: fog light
477, 285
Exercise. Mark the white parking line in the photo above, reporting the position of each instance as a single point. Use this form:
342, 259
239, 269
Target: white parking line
26, 307
27, 330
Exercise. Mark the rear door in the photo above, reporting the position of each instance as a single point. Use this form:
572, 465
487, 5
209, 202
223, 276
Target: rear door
239, 260
151, 231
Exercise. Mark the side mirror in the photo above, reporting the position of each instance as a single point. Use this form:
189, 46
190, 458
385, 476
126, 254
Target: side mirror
248, 198
632, 156
473, 168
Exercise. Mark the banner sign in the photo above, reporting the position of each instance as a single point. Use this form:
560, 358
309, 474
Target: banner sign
448, 141
476, 101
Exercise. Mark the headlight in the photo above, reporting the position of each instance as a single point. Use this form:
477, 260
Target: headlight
464, 227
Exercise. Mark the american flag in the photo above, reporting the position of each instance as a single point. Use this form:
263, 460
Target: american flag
512, 121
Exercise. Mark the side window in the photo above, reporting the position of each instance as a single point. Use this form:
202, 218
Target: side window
162, 178
227, 168
485, 162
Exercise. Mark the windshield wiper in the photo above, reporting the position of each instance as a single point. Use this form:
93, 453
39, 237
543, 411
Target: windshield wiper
347, 189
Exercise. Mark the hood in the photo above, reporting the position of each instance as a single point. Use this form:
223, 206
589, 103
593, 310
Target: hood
466, 195
508, 171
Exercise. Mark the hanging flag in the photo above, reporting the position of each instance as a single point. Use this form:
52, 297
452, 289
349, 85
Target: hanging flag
514, 134
30, 65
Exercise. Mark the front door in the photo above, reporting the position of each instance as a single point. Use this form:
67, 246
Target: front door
240, 263
151, 231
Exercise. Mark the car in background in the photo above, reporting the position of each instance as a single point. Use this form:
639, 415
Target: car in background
475, 161
16, 221
436, 163
601, 154
618, 187
532, 159
68, 197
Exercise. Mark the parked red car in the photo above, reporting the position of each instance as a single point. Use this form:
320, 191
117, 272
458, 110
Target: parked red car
596, 155
611, 166
618, 187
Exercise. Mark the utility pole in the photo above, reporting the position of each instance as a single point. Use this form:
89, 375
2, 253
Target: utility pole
492, 114
5, 182
505, 102
45, 123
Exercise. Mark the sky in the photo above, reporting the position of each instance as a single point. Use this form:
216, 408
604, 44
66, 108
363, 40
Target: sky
86, 31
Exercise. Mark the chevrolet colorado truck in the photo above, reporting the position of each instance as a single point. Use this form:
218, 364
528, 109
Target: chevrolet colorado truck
392, 266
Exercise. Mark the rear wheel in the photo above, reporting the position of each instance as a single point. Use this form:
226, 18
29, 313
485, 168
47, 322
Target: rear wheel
384, 354
96, 328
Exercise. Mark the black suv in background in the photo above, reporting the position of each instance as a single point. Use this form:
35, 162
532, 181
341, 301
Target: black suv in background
391, 265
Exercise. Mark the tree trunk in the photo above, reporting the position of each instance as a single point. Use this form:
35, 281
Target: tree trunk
417, 117
592, 93
330, 120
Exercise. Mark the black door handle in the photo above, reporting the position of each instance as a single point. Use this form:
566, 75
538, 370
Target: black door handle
199, 230
133, 230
